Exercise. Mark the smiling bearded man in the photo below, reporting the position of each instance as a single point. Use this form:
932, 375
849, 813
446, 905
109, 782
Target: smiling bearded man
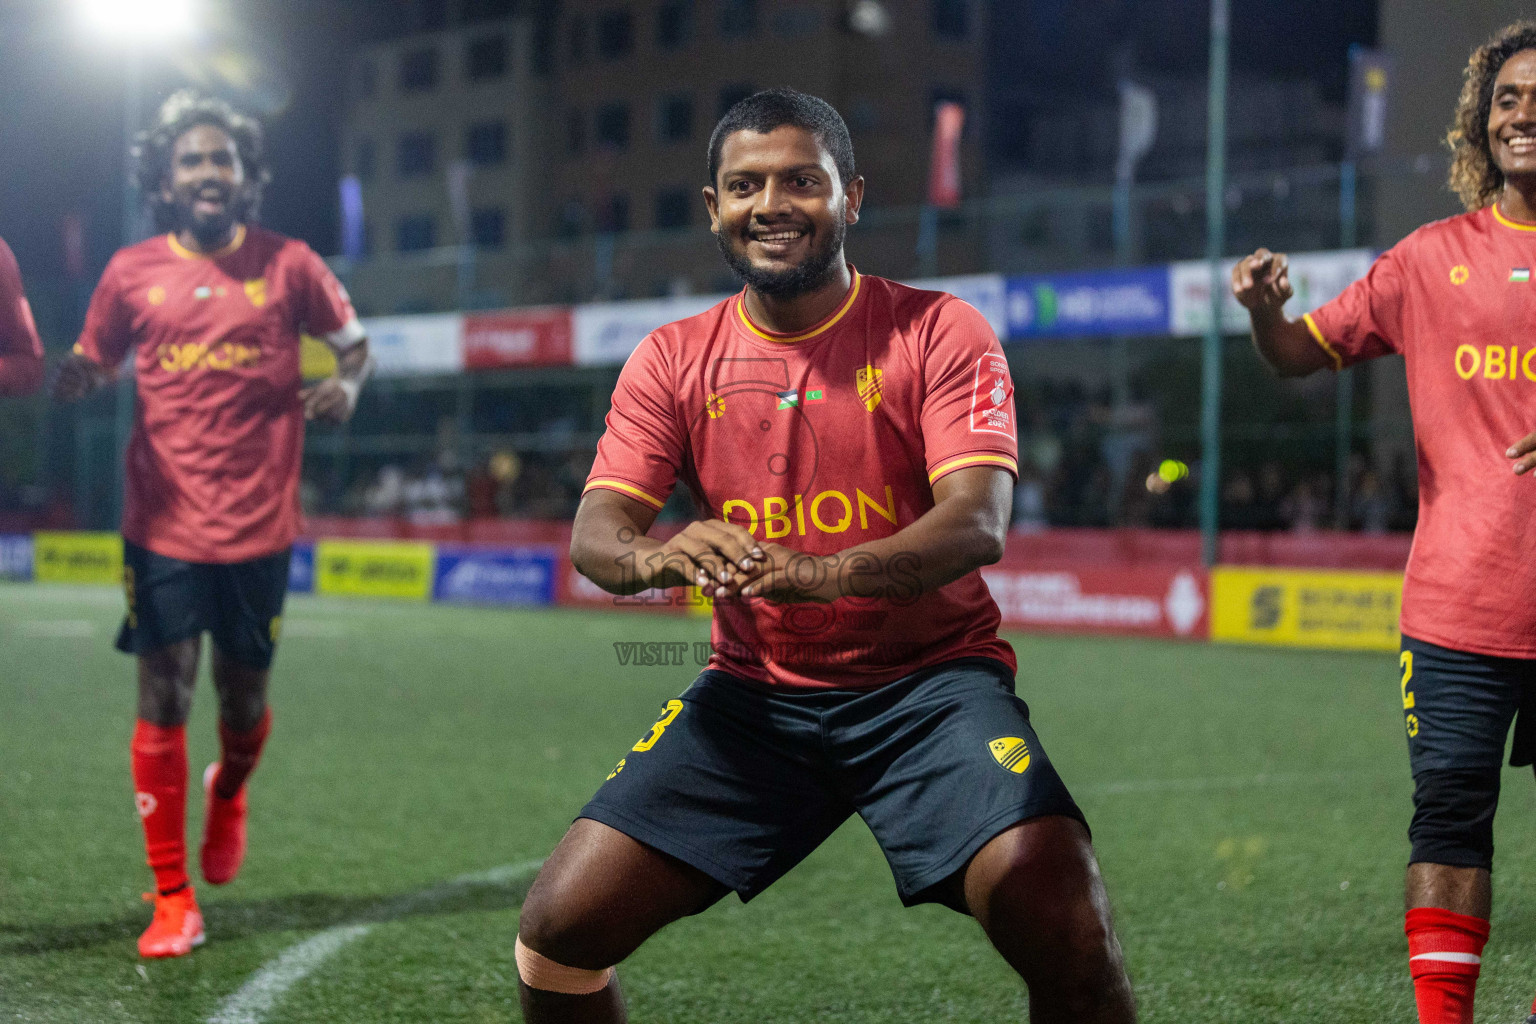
853, 441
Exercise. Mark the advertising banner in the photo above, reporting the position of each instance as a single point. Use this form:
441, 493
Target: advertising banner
515, 576
1306, 608
1151, 600
15, 556
301, 569
1131, 301
365, 568
416, 344
606, 333
1317, 277
78, 558
987, 292
518, 337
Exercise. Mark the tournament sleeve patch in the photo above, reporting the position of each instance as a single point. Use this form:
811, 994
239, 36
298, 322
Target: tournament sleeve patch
992, 397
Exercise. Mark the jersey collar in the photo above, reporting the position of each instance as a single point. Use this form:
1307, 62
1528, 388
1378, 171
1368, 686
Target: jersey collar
188, 254
1498, 215
821, 328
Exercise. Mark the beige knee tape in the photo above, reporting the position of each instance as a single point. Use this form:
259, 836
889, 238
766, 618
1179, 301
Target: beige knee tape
540, 972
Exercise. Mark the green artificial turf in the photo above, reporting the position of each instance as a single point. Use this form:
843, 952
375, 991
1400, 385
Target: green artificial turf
1249, 808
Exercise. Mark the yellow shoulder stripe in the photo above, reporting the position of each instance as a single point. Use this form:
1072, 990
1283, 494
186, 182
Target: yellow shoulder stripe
1317, 336
624, 488
974, 460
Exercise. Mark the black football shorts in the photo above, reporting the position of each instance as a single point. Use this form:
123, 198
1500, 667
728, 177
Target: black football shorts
743, 782
240, 604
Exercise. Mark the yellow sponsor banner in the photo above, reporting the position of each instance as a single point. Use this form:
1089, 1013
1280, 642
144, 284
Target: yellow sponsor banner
316, 360
1306, 607
374, 568
78, 558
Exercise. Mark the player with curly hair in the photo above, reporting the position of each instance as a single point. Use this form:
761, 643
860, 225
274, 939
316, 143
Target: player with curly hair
212, 310
1456, 299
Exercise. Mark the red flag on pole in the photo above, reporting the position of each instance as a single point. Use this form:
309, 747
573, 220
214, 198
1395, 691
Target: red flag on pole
944, 172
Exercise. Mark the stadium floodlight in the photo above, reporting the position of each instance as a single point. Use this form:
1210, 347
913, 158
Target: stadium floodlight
138, 21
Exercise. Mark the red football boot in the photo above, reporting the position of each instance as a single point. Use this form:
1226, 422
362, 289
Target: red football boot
177, 927
223, 831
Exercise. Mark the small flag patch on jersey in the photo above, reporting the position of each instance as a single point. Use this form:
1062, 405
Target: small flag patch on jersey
814, 396
1520, 275
203, 292
1011, 752
789, 399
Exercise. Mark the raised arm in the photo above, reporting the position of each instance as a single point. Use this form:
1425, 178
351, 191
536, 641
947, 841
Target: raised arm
1262, 284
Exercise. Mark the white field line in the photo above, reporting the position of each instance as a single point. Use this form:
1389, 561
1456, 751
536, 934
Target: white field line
251, 1003
56, 628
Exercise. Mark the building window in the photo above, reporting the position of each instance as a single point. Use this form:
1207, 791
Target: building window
485, 144
573, 219
615, 34
673, 206
613, 126
738, 18
674, 24
487, 228
418, 70
486, 58
365, 80
613, 214
431, 15
575, 132
415, 155
415, 233
730, 95
576, 41
364, 157
796, 21
674, 118
486, 10
949, 18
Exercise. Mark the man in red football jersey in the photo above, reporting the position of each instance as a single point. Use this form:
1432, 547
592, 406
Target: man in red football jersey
1456, 299
853, 441
21, 353
213, 310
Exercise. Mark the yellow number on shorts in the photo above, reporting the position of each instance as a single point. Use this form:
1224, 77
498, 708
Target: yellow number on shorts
1406, 661
674, 708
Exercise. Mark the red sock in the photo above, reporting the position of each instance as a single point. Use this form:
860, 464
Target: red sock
1444, 956
239, 752
160, 791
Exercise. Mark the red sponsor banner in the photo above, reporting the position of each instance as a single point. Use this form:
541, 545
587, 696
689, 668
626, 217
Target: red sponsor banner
518, 337
944, 171
1147, 600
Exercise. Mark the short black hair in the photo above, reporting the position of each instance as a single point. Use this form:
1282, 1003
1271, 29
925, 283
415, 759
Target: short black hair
764, 111
180, 113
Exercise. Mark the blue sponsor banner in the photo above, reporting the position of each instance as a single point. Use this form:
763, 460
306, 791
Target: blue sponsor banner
301, 568
1130, 301
495, 575
15, 556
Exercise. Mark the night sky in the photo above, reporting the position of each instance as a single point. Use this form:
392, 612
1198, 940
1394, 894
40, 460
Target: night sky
61, 116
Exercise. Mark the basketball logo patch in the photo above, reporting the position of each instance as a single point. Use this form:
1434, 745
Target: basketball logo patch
1011, 752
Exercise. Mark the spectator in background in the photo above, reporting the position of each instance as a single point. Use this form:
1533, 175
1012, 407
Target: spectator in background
1372, 509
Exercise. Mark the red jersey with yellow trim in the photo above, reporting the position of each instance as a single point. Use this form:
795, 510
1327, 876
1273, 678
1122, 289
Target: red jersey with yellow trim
1457, 299
21, 352
218, 433
821, 441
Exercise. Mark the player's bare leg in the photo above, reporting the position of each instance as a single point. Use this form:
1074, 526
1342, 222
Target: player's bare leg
598, 897
1036, 891
243, 726
166, 679
1462, 890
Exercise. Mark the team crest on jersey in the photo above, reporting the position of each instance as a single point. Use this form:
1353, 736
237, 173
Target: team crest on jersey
992, 397
155, 296
146, 803
256, 291
1011, 752
871, 383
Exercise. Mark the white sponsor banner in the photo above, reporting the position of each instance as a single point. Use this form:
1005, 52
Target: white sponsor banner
987, 292
429, 343
1317, 277
605, 333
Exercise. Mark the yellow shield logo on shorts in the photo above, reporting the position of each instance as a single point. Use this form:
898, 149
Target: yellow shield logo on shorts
1011, 752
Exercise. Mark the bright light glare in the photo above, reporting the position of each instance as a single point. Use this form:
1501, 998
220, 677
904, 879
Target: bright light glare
138, 20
